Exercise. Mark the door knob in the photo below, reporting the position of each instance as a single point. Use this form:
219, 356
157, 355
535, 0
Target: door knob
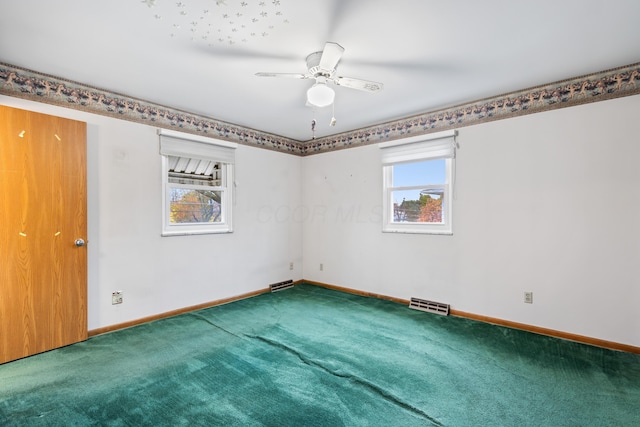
79, 242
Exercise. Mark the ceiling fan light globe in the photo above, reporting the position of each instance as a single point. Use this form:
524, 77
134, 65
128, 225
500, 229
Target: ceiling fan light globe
320, 95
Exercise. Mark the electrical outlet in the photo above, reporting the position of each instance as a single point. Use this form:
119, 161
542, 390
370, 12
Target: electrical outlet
116, 297
528, 297
290, 266
321, 267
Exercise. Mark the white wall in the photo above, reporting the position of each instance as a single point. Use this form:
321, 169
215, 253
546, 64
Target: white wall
159, 274
548, 203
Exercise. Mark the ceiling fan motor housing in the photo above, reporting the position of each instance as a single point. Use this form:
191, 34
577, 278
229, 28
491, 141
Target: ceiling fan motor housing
313, 65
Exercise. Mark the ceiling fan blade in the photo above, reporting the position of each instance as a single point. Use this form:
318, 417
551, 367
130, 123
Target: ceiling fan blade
331, 54
285, 75
359, 84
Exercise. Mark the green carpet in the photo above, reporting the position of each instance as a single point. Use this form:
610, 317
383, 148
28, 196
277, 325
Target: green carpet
309, 356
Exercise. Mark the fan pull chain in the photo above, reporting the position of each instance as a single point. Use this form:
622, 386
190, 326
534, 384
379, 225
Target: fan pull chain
313, 128
333, 115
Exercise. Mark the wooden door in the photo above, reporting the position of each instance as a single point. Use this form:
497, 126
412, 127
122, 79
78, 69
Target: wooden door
43, 273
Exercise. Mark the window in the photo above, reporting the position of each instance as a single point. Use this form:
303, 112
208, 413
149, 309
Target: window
417, 184
197, 184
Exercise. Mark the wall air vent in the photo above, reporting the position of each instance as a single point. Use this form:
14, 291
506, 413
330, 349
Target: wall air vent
281, 285
429, 306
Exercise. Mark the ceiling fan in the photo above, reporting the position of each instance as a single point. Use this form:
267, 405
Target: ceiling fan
322, 67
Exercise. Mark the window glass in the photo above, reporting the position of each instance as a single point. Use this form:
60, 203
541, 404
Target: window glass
425, 203
194, 206
417, 173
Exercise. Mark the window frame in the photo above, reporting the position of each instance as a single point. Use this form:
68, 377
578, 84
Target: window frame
225, 225
413, 150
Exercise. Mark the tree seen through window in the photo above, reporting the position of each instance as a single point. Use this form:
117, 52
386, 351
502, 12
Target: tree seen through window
194, 206
428, 208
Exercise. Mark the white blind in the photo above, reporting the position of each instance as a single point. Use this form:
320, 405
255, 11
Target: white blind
438, 146
195, 149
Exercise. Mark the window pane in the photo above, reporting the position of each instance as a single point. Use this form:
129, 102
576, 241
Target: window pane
418, 206
194, 206
419, 173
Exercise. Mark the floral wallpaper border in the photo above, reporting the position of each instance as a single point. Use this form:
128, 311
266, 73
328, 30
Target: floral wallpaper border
613, 83
27, 84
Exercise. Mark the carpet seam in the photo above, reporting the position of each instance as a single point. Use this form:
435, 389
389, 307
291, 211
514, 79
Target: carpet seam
204, 319
367, 384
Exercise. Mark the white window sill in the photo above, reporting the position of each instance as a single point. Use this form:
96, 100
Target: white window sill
417, 230
193, 232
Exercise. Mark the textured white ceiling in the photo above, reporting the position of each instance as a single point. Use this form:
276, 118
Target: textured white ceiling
201, 55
